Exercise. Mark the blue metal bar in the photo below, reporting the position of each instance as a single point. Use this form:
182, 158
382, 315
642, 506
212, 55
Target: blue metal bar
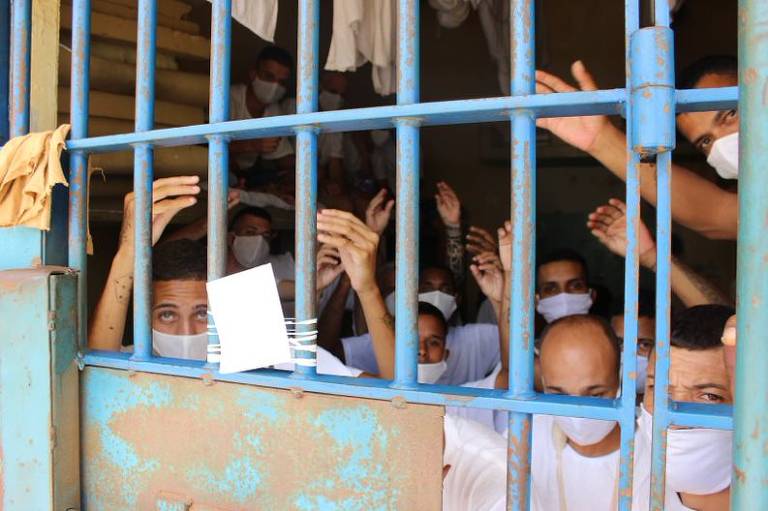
407, 201
78, 161
439, 113
661, 401
687, 414
142, 180
218, 148
5, 68
306, 184
523, 214
21, 51
749, 487
631, 288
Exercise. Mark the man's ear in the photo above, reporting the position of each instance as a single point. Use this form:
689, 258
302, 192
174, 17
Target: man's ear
447, 354
252, 74
230, 239
593, 294
536, 299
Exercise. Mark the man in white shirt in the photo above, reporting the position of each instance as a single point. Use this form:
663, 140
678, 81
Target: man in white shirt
699, 460
268, 81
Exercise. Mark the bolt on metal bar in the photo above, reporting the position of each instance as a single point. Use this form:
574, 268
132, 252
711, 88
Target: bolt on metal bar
21, 41
218, 147
750, 478
407, 198
78, 160
306, 186
142, 180
523, 214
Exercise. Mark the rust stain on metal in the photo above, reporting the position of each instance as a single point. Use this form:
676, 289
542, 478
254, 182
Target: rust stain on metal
297, 392
207, 379
740, 475
399, 402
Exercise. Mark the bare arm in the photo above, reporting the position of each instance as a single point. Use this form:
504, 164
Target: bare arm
505, 254
696, 202
449, 207
608, 224
170, 196
330, 322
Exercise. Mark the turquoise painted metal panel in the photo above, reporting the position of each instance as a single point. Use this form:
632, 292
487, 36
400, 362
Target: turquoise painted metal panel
39, 430
168, 442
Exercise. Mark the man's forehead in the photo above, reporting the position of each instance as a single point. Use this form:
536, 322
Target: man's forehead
561, 271
180, 292
274, 67
691, 367
252, 221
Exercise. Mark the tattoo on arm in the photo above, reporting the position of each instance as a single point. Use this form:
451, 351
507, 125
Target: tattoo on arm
454, 253
123, 287
389, 321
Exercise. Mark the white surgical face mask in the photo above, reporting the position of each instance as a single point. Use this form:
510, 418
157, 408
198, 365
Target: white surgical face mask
250, 251
191, 347
564, 304
724, 156
330, 100
430, 373
443, 301
642, 374
699, 460
267, 92
379, 137
584, 431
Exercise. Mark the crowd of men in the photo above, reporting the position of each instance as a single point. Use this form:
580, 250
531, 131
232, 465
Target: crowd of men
575, 461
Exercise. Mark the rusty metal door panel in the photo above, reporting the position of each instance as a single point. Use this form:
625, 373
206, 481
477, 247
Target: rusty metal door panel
167, 442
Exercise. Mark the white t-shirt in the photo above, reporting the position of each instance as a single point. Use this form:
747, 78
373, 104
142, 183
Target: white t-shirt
641, 481
486, 314
238, 110
477, 479
284, 268
492, 419
474, 353
326, 364
586, 483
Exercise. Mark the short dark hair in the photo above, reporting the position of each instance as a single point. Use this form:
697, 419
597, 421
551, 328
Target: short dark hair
179, 260
700, 328
713, 64
438, 267
585, 319
279, 55
253, 211
563, 254
427, 309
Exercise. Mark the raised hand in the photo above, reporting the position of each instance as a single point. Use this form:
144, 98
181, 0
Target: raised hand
379, 212
505, 246
448, 205
608, 224
169, 196
580, 132
487, 270
479, 241
357, 245
329, 266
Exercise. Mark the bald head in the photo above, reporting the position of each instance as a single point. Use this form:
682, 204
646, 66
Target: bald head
580, 357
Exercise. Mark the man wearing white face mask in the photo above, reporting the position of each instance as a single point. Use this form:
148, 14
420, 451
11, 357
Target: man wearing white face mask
268, 81
561, 286
697, 202
699, 460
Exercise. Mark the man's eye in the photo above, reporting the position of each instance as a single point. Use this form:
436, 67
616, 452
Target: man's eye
712, 398
201, 315
704, 143
731, 114
166, 316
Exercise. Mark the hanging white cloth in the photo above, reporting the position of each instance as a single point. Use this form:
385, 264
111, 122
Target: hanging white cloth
494, 18
365, 31
258, 16
451, 13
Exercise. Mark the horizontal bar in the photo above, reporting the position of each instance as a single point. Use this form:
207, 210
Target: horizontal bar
439, 113
682, 414
701, 415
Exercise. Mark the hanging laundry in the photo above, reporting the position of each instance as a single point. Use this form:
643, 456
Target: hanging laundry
494, 18
30, 167
451, 13
366, 31
258, 16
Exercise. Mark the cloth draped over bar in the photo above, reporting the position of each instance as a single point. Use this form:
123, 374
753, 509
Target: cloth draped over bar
30, 167
258, 16
365, 31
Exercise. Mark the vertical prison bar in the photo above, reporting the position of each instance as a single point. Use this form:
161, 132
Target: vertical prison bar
631, 285
5, 48
407, 200
78, 161
305, 354
218, 147
750, 480
21, 51
523, 212
142, 180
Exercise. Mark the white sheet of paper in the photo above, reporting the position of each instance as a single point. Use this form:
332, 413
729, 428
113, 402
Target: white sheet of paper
249, 319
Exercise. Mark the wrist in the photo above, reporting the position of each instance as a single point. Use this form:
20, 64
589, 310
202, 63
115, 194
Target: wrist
648, 259
452, 228
368, 292
607, 142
